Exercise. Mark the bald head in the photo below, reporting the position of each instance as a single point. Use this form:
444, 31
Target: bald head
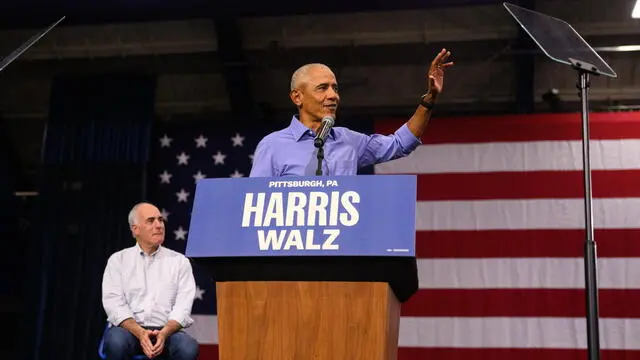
301, 75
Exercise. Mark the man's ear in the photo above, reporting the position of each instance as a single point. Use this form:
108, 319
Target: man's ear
296, 97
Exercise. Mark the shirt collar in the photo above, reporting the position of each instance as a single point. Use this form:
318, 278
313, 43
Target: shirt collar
141, 252
298, 130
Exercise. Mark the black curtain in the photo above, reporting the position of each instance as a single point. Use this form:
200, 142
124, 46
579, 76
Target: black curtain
11, 290
94, 156
9, 173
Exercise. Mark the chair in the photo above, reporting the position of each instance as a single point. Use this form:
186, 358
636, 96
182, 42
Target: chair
101, 347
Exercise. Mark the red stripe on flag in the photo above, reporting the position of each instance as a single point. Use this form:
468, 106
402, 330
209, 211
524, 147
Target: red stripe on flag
510, 354
524, 243
210, 352
530, 127
614, 303
527, 185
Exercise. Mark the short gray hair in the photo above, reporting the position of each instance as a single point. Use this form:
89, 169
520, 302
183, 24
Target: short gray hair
133, 213
302, 72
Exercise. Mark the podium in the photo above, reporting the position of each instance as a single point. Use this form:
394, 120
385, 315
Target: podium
307, 267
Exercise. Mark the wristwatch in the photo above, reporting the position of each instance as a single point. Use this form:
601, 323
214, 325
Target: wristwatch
427, 101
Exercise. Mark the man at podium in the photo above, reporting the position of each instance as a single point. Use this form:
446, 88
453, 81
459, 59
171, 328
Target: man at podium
314, 91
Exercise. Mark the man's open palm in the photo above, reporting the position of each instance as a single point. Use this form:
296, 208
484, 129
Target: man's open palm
436, 72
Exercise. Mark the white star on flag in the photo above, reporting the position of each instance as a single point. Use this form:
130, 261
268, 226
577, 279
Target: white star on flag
201, 141
182, 195
199, 176
236, 174
165, 214
218, 158
237, 140
180, 233
199, 293
183, 159
165, 141
165, 178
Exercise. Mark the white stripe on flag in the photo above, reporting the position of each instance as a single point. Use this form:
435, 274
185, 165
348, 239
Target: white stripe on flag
509, 332
204, 329
548, 273
515, 156
501, 332
526, 214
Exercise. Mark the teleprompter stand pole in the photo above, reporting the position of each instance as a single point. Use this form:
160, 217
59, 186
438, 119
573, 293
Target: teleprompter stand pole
590, 255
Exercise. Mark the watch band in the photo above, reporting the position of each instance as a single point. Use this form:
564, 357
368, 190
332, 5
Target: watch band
426, 103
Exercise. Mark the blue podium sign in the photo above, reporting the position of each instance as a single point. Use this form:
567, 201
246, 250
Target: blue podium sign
365, 215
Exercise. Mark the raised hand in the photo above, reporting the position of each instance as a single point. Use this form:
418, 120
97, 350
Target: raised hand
435, 75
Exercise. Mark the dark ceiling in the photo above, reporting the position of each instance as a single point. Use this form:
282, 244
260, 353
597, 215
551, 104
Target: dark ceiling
36, 13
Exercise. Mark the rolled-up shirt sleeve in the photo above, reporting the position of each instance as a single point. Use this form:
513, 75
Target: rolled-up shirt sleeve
377, 148
113, 298
181, 311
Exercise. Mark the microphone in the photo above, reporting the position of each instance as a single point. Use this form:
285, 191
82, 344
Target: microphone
323, 131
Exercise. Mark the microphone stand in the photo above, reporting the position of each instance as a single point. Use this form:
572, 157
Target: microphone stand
320, 157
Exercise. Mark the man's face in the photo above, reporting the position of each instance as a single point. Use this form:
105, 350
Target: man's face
317, 96
150, 227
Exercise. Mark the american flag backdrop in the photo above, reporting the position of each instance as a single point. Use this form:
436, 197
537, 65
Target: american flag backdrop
499, 236
184, 153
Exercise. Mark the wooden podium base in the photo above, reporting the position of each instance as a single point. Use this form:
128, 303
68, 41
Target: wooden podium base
298, 320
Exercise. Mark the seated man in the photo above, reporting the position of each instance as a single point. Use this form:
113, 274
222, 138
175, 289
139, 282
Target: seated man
147, 293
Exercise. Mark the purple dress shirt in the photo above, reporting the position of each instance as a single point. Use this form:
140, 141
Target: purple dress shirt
290, 151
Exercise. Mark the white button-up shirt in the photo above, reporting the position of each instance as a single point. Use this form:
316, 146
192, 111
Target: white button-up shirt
152, 289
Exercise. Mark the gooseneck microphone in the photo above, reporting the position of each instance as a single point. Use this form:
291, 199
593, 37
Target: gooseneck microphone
323, 131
